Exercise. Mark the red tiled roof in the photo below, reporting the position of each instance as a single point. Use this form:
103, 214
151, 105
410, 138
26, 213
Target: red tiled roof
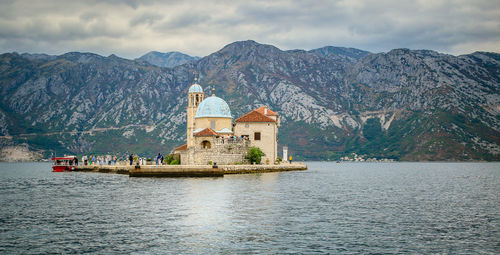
254, 116
206, 132
269, 112
181, 148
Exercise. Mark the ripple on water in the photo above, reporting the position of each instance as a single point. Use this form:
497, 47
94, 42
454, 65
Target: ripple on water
331, 208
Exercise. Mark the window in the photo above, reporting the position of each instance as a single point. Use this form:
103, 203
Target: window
205, 144
246, 125
256, 136
212, 124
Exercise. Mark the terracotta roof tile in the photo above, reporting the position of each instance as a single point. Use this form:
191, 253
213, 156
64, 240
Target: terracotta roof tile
206, 132
269, 112
254, 116
181, 148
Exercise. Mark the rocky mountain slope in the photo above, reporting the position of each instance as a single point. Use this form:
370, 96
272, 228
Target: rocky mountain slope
19, 153
403, 104
169, 59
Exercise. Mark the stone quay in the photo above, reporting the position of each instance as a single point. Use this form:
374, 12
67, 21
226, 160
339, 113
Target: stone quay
189, 170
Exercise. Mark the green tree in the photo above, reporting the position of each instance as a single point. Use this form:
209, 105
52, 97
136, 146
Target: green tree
372, 128
255, 155
169, 158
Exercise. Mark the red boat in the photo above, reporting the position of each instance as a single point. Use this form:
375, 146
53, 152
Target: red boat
62, 164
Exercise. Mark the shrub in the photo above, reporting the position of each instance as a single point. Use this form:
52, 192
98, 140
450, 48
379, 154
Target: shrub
168, 159
278, 159
210, 162
175, 162
255, 155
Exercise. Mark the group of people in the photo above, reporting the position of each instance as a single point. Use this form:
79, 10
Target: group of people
99, 160
159, 159
142, 161
233, 138
112, 160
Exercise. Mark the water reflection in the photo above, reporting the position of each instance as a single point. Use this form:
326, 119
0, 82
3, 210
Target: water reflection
204, 205
217, 209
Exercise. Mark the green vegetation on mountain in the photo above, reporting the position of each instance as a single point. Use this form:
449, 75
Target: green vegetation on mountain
403, 104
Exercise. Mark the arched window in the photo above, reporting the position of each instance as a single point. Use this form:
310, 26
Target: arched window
197, 100
205, 144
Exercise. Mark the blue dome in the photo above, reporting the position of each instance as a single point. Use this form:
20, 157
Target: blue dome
195, 88
213, 107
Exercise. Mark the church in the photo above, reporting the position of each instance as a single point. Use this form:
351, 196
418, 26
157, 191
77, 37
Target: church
213, 137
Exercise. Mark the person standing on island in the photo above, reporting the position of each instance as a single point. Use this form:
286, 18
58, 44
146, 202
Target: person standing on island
158, 158
131, 159
290, 158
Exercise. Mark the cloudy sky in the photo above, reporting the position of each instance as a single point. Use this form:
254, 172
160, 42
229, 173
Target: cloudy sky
130, 28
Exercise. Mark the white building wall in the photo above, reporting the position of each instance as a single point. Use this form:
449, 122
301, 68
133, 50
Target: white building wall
268, 142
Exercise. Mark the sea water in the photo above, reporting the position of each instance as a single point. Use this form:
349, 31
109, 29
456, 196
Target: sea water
330, 208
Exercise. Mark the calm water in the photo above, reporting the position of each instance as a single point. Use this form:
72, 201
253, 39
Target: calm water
331, 208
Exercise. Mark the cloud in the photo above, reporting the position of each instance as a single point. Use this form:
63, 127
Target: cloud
182, 22
132, 28
147, 18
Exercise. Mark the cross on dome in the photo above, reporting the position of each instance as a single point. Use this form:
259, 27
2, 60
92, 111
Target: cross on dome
195, 88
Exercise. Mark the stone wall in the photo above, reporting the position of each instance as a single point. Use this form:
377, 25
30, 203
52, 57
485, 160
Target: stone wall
246, 169
221, 159
190, 170
223, 151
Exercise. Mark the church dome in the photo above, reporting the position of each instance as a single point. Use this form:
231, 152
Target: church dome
213, 107
195, 88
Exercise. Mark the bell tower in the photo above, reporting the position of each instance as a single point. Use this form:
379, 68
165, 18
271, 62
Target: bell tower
195, 96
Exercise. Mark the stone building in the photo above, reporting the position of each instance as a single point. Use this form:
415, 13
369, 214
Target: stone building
260, 126
213, 137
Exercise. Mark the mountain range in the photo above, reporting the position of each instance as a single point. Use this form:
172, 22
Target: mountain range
169, 59
414, 105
